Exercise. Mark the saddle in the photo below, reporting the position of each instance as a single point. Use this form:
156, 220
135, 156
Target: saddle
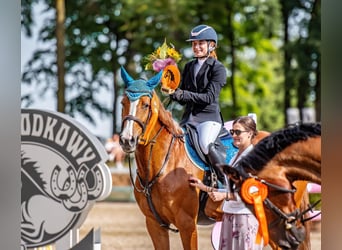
211, 176
216, 179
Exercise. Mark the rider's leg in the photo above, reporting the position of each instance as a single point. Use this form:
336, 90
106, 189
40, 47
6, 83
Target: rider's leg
207, 133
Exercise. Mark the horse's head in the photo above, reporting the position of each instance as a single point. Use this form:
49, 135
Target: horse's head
139, 110
283, 219
276, 163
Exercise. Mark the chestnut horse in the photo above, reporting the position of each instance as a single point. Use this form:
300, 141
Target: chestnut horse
279, 162
161, 187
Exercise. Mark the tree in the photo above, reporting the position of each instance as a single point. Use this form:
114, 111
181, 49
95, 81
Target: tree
60, 10
301, 54
253, 61
100, 36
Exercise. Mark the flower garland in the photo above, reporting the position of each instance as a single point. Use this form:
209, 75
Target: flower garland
163, 56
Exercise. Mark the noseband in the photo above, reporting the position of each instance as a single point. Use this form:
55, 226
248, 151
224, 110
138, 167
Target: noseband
138, 121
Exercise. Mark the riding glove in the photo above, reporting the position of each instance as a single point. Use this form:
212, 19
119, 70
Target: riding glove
177, 95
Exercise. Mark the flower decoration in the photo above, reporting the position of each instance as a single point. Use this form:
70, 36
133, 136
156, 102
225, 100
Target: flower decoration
163, 56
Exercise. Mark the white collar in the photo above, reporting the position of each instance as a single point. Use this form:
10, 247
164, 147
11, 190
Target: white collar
200, 61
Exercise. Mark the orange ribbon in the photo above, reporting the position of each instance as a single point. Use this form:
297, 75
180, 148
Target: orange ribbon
301, 189
155, 109
254, 192
170, 78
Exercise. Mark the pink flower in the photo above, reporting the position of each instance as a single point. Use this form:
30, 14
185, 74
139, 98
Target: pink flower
160, 64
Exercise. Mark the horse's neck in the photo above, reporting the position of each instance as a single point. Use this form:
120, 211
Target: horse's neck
164, 136
165, 118
152, 156
301, 161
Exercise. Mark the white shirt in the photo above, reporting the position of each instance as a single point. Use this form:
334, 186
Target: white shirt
238, 206
198, 65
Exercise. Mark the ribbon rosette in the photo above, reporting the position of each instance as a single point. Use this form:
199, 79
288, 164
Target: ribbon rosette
254, 192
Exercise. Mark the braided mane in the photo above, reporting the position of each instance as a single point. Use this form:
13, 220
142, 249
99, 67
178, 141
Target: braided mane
271, 145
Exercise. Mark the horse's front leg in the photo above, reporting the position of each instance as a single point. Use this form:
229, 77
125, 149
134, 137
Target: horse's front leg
186, 223
189, 237
158, 234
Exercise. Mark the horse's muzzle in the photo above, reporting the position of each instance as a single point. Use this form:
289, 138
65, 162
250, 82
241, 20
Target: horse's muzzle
128, 145
294, 237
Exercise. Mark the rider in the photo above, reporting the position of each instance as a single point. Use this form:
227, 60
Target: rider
202, 80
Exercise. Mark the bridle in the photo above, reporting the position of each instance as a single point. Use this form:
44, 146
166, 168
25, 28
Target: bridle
290, 217
138, 121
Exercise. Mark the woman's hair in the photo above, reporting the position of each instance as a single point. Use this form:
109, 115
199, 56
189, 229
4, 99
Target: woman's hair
248, 123
213, 52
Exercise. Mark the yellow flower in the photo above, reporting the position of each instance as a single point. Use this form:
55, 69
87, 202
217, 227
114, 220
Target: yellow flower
161, 57
171, 52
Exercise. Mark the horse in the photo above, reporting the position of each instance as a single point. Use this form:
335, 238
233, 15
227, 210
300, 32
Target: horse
278, 163
161, 186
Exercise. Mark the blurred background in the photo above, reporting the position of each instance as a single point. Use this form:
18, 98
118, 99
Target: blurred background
72, 52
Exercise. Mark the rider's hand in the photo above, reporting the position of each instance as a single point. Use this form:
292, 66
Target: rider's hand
177, 95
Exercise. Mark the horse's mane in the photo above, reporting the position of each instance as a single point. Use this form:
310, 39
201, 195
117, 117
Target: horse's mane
165, 117
277, 141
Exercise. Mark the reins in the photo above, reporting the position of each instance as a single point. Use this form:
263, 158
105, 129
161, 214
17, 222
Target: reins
309, 209
147, 186
277, 187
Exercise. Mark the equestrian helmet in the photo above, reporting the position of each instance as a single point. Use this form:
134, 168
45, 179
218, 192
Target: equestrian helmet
203, 32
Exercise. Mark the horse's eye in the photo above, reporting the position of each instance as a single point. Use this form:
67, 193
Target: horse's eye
145, 105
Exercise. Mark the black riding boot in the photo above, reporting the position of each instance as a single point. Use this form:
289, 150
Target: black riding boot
216, 157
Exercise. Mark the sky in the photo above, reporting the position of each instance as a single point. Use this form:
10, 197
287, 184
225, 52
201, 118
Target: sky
48, 101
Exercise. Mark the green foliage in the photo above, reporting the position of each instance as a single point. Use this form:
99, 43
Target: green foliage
104, 34
313, 198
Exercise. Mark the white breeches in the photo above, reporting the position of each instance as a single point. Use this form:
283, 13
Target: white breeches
207, 133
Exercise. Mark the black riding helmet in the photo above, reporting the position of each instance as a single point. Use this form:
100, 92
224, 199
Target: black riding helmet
203, 32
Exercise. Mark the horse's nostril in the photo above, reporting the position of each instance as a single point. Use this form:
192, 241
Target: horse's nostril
121, 142
132, 142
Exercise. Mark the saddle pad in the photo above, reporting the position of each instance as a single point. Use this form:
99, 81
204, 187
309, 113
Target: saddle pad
227, 142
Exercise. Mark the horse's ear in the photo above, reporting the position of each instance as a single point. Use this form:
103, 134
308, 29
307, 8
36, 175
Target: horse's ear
126, 77
153, 82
